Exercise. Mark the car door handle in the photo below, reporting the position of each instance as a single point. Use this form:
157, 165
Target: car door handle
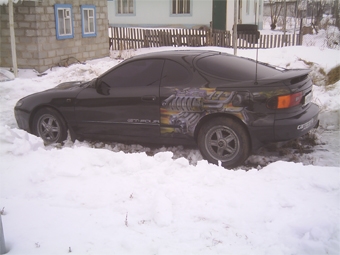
149, 98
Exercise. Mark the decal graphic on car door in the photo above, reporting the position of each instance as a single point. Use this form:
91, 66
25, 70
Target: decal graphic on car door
181, 111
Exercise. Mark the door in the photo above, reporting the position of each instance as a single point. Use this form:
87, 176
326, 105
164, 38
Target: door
124, 102
219, 14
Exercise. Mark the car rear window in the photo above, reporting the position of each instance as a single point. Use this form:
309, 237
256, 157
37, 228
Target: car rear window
234, 68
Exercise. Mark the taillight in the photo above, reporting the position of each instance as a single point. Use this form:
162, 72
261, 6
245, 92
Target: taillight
286, 101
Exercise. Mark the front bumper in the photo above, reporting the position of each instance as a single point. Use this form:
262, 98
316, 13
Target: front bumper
22, 119
297, 126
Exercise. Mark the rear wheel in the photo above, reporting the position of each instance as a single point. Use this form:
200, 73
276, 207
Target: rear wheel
225, 140
50, 126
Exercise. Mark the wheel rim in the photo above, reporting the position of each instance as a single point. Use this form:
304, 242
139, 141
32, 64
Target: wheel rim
49, 128
222, 143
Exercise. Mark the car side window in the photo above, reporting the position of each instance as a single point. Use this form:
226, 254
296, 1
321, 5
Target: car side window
174, 74
138, 73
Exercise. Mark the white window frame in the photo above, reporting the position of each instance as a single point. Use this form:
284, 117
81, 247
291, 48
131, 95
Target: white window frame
63, 22
125, 7
177, 8
88, 21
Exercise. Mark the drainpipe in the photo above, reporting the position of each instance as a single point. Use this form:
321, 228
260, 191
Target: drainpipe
12, 35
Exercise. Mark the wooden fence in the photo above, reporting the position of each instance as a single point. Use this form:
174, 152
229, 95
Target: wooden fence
123, 38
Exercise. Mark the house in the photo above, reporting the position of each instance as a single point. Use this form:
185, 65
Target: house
184, 13
54, 32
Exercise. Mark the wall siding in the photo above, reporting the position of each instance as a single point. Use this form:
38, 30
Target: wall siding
157, 13
35, 33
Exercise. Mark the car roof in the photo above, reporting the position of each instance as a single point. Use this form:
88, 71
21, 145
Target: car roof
174, 54
234, 63
245, 66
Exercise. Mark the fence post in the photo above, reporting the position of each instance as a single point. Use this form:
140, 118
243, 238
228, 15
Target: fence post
2, 239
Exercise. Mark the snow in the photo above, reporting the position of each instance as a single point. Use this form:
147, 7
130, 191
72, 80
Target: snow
108, 198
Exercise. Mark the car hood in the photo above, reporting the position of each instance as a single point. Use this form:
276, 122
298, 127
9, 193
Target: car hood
69, 85
55, 96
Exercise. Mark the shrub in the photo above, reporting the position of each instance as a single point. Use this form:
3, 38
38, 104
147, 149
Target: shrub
333, 75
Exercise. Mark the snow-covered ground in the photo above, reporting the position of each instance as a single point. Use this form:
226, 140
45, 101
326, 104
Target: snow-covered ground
107, 198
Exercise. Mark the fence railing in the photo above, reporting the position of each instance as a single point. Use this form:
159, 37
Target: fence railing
123, 38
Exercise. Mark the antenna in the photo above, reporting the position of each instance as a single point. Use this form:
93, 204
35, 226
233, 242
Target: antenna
257, 60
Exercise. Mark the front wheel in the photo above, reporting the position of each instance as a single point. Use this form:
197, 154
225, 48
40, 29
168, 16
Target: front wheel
50, 126
225, 140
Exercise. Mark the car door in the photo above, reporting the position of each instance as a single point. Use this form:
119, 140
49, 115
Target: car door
175, 94
124, 102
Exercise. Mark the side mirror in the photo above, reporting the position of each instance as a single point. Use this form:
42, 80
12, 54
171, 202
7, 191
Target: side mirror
102, 88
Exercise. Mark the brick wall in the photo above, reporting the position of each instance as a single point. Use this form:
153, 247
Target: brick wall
35, 32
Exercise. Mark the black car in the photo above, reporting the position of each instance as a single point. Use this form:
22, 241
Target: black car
226, 104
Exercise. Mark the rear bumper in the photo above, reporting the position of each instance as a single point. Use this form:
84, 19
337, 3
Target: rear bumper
294, 127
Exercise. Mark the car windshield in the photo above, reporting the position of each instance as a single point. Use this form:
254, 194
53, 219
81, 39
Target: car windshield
91, 83
235, 68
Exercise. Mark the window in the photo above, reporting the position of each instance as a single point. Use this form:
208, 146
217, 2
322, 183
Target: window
175, 74
180, 6
88, 20
138, 73
125, 6
234, 69
63, 20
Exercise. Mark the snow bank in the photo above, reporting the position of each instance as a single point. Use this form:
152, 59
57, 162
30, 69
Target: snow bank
99, 198
95, 201
330, 113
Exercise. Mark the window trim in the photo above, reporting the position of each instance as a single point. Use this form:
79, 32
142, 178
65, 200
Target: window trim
126, 14
181, 14
87, 8
57, 7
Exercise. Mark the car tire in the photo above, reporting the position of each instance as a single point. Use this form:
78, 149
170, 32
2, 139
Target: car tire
49, 125
224, 140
